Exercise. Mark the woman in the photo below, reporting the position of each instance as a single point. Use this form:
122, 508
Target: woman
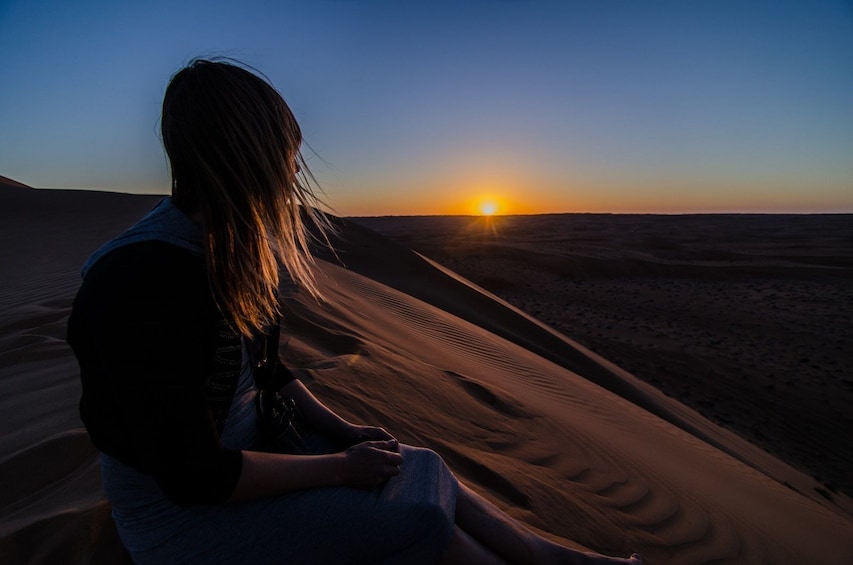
171, 328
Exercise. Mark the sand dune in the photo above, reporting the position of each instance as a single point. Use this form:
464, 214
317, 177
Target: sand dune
562, 439
744, 318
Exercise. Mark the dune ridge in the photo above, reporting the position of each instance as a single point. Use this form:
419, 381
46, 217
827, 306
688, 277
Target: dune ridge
440, 362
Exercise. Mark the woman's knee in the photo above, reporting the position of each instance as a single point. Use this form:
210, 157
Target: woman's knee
432, 527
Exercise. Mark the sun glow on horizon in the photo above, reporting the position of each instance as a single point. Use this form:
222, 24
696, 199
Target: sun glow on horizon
488, 205
488, 208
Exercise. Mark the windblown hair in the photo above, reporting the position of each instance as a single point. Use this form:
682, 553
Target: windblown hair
233, 146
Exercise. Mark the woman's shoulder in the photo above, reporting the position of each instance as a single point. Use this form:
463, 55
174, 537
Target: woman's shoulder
149, 259
148, 268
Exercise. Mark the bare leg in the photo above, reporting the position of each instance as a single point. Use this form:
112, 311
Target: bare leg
465, 550
508, 539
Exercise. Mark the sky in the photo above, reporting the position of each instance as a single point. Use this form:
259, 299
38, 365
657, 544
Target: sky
450, 106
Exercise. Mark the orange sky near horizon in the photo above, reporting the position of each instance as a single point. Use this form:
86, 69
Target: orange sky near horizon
698, 197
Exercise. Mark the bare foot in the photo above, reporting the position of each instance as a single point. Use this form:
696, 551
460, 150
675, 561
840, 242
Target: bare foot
594, 558
558, 554
597, 559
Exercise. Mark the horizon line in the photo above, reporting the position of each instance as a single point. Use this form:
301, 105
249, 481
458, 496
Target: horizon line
11, 183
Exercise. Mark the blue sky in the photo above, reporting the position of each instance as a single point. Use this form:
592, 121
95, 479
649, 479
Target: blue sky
417, 107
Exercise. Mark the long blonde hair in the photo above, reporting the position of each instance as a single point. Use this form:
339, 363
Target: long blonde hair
233, 146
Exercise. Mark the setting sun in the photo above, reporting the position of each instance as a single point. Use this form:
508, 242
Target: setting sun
487, 204
488, 208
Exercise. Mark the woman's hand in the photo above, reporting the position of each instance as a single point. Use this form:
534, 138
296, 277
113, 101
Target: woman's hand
369, 464
356, 434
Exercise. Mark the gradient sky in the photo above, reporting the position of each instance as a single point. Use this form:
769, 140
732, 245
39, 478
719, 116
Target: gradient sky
429, 107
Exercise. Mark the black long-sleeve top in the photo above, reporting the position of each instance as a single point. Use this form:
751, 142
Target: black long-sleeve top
145, 330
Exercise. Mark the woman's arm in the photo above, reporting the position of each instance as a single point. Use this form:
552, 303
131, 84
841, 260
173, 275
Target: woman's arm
140, 329
364, 466
324, 420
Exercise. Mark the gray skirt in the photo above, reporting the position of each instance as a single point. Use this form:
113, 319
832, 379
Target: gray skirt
410, 519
